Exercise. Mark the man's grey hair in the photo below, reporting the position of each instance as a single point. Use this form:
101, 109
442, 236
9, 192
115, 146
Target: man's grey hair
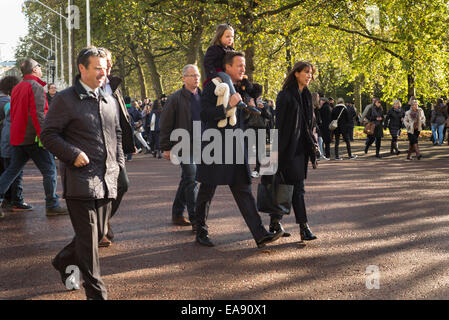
187, 67
340, 101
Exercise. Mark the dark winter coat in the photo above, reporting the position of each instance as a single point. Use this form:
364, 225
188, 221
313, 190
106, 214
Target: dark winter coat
292, 143
318, 122
352, 116
213, 60
344, 120
222, 174
326, 118
156, 120
5, 144
393, 120
439, 115
78, 122
125, 122
372, 116
175, 115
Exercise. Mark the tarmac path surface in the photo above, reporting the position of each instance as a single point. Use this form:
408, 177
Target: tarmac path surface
382, 227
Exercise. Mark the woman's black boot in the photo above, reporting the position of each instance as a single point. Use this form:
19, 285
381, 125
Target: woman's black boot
276, 226
305, 232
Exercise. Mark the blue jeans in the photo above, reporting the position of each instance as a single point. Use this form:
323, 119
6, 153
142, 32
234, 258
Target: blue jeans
227, 79
15, 191
43, 160
440, 129
187, 192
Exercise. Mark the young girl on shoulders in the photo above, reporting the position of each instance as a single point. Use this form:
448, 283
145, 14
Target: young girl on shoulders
213, 59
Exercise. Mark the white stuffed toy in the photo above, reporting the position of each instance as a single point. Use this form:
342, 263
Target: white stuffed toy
222, 93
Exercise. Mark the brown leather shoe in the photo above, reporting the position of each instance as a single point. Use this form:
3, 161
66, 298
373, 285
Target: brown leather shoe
104, 243
181, 221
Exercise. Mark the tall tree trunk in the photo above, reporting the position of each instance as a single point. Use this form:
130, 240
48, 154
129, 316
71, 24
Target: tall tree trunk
201, 63
155, 76
122, 72
358, 83
195, 40
248, 43
288, 53
143, 87
411, 91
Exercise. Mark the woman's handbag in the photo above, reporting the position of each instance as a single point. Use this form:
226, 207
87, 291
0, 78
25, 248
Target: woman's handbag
369, 128
274, 197
334, 123
257, 121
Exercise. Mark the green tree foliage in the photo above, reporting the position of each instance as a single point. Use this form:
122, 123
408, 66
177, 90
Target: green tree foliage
394, 49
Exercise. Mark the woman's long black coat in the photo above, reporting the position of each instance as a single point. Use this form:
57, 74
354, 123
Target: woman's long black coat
288, 116
372, 115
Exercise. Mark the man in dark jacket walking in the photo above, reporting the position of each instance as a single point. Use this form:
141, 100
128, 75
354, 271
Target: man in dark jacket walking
182, 111
236, 175
82, 129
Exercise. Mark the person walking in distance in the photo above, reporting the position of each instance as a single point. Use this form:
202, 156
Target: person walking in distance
28, 108
82, 129
344, 117
375, 114
414, 121
182, 111
393, 121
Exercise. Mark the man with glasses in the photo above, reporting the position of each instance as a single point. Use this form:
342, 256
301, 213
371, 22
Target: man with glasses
82, 129
181, 110
28, 108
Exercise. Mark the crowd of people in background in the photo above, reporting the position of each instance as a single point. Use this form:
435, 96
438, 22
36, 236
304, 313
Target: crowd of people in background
303, 120
144, 116
410, 117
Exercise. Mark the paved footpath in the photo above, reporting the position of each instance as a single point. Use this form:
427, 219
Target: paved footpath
387, 215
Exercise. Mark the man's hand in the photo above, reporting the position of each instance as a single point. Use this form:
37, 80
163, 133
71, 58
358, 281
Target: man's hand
81, 161
235, 98
166, 155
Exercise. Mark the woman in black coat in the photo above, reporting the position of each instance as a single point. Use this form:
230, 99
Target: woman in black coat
375, 114
294, 121
393, 121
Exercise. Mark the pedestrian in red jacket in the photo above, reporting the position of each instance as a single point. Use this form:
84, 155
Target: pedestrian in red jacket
28, 108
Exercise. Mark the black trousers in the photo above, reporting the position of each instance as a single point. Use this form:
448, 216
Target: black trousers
370, 141
89, 220
346, 139
245, 201
298, 204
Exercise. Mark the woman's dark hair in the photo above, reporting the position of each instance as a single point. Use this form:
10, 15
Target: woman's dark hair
377, 100
8, 83
157, 106
298, 67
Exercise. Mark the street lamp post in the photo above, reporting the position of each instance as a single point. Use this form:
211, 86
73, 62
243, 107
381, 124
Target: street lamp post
69, 28
51, 64
55, 51
88, 22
